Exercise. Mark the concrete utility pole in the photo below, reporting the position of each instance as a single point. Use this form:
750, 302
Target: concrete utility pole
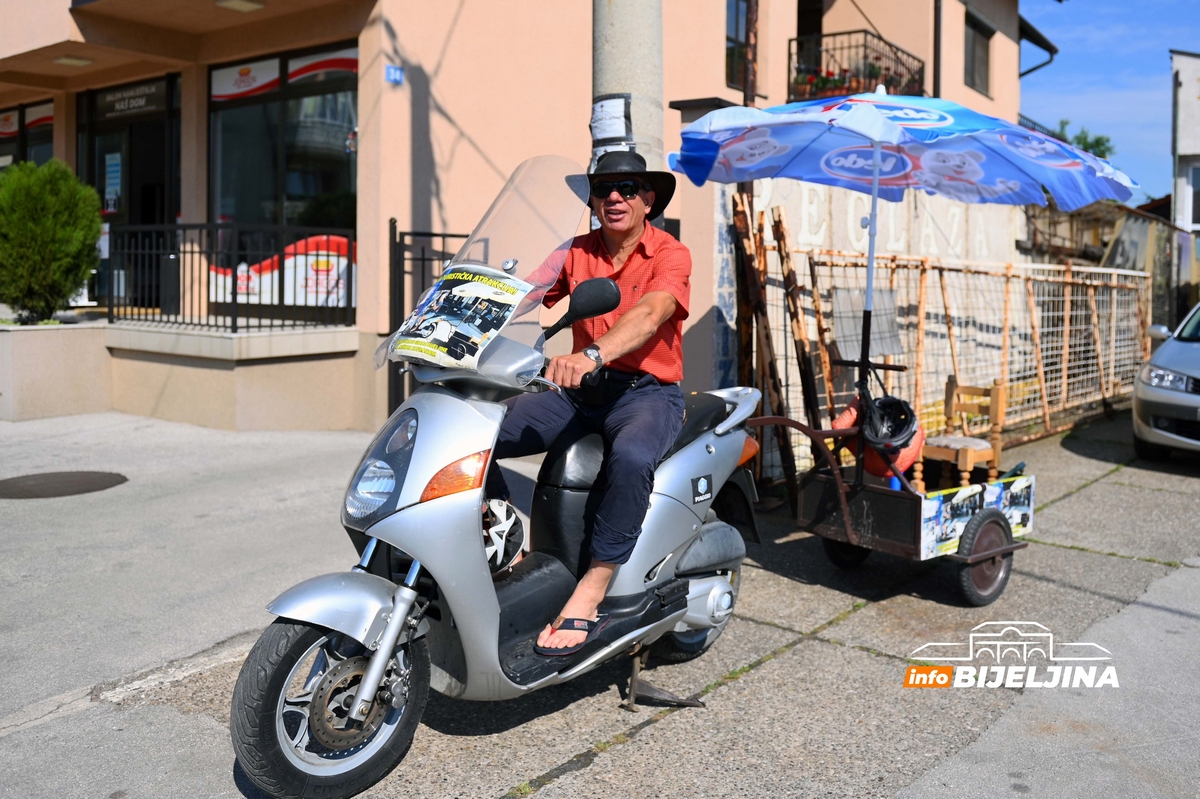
627, 82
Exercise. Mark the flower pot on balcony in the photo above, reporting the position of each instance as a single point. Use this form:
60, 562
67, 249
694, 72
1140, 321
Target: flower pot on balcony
801, 91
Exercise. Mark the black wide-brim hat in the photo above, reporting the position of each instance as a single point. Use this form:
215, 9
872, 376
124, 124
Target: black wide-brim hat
625, 164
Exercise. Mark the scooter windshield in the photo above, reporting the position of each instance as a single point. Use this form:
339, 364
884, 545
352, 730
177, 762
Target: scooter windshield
482, 313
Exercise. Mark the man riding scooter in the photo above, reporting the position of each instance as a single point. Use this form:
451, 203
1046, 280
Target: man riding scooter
634, 399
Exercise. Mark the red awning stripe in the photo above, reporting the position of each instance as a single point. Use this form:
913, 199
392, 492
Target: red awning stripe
270, 85
325, 65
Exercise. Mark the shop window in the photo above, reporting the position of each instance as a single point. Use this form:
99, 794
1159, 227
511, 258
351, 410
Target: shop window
27, 134
320, 170
281, 133
10, 128
39, 133
244, 163
735, 43
978, 44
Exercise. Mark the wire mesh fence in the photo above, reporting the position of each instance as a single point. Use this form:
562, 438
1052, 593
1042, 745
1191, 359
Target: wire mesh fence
1062, 340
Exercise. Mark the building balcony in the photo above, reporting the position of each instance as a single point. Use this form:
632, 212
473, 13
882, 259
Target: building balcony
837, 64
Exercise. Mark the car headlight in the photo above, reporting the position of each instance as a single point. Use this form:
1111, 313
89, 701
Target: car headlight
1158, 377
372, 491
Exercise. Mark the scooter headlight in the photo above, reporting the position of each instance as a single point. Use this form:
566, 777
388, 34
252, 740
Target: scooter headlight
372, 491
375, 484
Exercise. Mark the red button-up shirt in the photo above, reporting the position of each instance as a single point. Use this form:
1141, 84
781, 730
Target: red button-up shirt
658, 263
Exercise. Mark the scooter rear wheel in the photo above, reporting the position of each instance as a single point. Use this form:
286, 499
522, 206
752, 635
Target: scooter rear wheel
288, 716
680, 647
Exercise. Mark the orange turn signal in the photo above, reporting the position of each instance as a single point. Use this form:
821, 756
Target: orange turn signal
749, 450
462, 475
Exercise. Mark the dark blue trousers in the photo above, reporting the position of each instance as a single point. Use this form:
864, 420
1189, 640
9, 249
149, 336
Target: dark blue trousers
639, 426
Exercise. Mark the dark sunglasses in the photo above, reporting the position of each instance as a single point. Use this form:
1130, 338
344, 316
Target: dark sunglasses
626, 188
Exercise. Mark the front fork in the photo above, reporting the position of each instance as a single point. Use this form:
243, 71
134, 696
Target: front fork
402, 602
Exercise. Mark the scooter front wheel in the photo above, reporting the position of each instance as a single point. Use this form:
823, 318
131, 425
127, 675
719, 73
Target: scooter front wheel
289, 719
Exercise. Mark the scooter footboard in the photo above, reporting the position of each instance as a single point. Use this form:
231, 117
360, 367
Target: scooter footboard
353, 603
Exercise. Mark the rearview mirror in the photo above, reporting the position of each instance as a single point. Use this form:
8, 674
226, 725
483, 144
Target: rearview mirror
590, 298
1158, 332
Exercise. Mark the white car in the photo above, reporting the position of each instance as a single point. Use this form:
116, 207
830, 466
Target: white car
1166, 393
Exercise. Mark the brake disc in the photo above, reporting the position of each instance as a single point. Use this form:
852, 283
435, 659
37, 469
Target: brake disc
329, 713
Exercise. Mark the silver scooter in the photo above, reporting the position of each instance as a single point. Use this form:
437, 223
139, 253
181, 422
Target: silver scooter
329, 698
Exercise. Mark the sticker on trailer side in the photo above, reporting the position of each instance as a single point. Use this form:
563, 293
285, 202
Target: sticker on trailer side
944, 514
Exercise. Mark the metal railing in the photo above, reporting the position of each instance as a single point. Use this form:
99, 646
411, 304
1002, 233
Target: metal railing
1033, 125
848, 63
229, 277
415, 262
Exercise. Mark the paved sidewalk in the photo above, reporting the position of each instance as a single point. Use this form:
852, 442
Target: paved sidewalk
803, 691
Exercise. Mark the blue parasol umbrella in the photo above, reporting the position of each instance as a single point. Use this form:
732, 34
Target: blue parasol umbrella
885, 145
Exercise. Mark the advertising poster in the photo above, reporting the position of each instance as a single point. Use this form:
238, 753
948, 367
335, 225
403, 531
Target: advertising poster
244, 80
463, 311
316, 272
112, 183
944, 514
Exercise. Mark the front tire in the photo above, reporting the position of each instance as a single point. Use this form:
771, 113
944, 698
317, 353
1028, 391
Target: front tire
273, 702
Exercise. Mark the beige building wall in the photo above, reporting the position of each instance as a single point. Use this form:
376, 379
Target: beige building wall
910, 25
1003, 98
53, 370
487, 84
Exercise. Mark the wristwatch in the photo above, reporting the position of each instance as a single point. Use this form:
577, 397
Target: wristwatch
593, 352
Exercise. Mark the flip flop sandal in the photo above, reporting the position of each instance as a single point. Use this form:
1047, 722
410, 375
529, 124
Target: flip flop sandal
591, 627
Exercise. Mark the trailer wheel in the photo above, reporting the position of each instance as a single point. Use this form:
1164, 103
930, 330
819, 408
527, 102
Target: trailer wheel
982, 583
843, 555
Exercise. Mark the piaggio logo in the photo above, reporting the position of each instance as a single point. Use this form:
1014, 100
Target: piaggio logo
854, 163
1071, 665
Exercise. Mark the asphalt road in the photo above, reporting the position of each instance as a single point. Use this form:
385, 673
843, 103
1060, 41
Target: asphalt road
126, 614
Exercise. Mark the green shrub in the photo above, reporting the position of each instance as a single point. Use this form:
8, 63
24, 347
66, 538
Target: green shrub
49, 226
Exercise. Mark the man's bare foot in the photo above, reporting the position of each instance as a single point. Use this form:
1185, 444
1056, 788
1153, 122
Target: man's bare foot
583, 604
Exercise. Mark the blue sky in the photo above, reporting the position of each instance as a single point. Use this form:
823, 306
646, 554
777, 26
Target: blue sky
1112, 75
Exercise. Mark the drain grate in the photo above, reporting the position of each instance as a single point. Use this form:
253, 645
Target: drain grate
58, 484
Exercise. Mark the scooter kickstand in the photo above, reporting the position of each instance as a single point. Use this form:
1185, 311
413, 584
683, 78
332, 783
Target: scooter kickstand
640, 689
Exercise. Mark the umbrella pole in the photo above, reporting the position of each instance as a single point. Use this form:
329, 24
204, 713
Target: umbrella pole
864, 359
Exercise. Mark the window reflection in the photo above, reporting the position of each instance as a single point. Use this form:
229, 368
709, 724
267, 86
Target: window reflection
245, 155
320, 174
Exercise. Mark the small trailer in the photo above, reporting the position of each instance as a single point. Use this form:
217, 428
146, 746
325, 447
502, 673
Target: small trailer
977, 526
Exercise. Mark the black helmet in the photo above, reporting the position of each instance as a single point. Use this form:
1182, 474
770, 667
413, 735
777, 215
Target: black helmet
889, 423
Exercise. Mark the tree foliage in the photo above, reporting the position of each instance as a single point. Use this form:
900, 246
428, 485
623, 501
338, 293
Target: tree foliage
49, 226
1097, 145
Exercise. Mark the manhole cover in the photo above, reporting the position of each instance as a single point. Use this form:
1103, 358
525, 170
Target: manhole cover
58, 484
